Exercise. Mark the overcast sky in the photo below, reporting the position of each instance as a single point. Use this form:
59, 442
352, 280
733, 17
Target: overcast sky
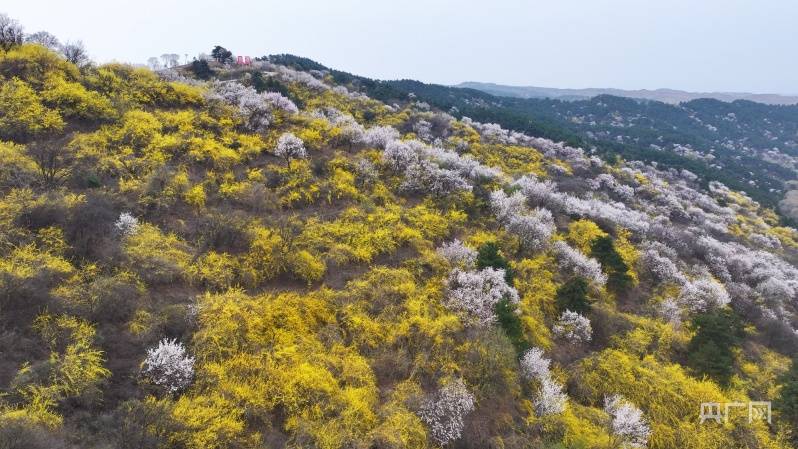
697, 45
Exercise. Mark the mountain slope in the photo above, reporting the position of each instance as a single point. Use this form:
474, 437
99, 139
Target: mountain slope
276, 258
671, 96
747, 146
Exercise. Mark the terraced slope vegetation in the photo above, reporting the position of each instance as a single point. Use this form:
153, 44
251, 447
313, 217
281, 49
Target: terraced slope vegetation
275, 260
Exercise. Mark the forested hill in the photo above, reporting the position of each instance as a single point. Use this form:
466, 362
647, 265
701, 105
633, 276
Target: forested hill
748, 146
670, 96
218, 256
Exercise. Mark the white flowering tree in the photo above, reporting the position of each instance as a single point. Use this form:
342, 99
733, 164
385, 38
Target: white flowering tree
627, 422
278, 101
126, 225
551, 399
534, 365
475, 294
168, 366
572, 259
290, 147
670, 311
466, 165
424, 177
776, 290
505, 207
608, 182
423, 130
352, 133
457, 254
366, 172
255, 108
399, 156
534, 228
659, 267
573, 327
704, 294
445, 413
380, 136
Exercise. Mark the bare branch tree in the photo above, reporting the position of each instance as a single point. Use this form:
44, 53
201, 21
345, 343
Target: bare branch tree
154, 63
75, 52
11, 32
170, 59
53, 160
44, 39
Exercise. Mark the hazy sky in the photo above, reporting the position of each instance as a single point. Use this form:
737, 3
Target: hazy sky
699, 45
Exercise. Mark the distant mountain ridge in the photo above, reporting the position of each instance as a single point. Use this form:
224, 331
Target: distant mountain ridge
670, 96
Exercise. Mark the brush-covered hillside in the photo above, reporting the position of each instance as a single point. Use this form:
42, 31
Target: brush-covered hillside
268, 259
747, 146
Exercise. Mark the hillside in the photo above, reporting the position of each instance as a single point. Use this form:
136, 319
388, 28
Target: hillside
747, 146
272, 256
671, 96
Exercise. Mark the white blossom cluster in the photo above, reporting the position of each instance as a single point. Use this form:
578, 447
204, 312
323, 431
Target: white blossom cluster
571, 259
627, 422
535, 365
380, 136
173, 75
772, 278
168, 366
399, 155
352, 132
465, 165
704, 294
551, 399
255, 108
765, 241
457, 254
494, 133
423, 130
670, 311
685, 228
426, 177
429, 169
278, 101
658, 261
573, 327
290, 147
421, 175
505, 207
534, 228
343, 90
366, 172
290, 75
126, 225
668, 208
546, 194
445, 413
609, 182
476, 293
776, 290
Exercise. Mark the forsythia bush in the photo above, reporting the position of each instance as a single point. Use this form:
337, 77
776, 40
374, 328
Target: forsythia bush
156, 257
22, 114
